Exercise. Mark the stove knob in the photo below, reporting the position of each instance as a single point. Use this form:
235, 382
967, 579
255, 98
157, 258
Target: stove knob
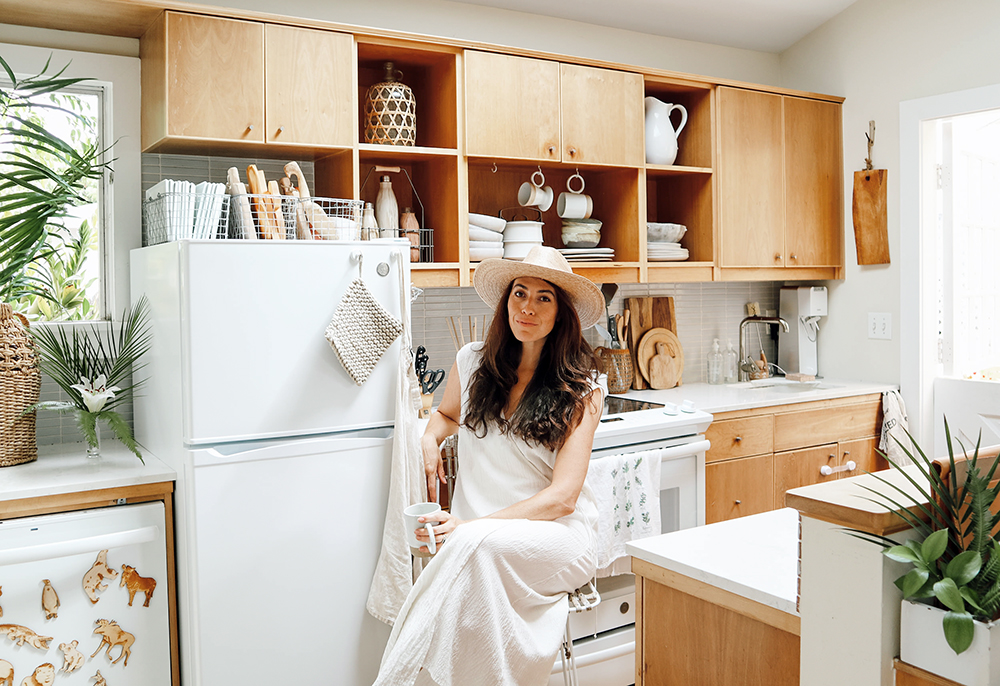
687, 406
669, 408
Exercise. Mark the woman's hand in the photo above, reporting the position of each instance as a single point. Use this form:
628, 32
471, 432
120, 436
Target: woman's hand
448, 523
433, 465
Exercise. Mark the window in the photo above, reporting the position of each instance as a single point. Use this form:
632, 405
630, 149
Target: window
70, 268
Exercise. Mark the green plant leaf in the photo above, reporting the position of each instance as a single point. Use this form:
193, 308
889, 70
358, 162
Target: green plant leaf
902, 553
972, 598
946, 591
959, 630
122, 432
912, 582
964, 567
934, 546
88, 426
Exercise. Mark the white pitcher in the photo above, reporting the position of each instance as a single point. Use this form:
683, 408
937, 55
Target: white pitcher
661, 139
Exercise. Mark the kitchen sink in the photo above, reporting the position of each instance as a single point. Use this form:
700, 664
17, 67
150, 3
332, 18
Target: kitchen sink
783, 385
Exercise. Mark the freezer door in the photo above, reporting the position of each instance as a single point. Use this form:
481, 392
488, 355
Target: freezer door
255, 362
71, 551
286, 538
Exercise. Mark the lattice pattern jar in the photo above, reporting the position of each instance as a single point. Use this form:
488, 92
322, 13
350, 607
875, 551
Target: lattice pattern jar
20, 382
391, 111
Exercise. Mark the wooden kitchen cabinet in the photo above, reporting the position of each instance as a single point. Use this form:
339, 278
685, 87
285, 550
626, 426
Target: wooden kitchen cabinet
218, 85
781, 186
531, 109
790, 444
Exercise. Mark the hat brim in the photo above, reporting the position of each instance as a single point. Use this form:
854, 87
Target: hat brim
492, 277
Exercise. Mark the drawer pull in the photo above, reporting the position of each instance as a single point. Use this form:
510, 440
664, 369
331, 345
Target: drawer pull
738, 439
827, 470
739, 502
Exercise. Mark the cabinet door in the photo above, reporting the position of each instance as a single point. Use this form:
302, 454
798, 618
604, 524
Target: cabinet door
215, 78
736, 488
309, 88
814, 183
751, 202
602, 116
864, 455
802, 468
511, 106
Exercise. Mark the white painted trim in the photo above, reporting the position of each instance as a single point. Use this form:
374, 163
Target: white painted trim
917, 354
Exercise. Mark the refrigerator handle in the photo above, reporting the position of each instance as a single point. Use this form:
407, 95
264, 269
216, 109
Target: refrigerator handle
92, 544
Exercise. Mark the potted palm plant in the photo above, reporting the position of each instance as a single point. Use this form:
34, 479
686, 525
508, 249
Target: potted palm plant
42, 176
951, 593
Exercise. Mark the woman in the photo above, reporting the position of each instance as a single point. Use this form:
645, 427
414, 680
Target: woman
491, 606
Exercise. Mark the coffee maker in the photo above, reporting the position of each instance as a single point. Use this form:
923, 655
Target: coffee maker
801, 307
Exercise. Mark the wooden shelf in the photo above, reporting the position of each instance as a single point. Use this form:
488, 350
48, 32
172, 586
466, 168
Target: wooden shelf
679, 272
406, 152
674, 170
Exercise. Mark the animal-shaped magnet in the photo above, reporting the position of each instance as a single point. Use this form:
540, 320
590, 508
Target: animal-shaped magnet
113, 635
72, 658
50, 600
93, 578
136, 583
43, 675
99, 680
22, 634
6, 673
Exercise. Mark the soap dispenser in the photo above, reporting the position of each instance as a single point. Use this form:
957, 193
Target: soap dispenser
715, 364
729, 370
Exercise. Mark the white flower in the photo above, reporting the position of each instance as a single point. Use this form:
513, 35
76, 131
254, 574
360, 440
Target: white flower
95, 395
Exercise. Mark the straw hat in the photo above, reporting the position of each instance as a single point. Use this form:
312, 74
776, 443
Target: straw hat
493, 276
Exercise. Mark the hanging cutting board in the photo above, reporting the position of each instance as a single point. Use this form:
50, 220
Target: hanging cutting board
646, 314
871, 232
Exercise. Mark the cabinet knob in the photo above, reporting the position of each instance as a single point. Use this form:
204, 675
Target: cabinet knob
572, 152
846, 453
552, 149
777, 256
738, 439
794, 256
280, 129
739, 502
249, 127
623, 608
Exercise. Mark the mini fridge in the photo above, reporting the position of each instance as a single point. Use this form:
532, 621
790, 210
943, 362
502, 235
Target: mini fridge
62, 591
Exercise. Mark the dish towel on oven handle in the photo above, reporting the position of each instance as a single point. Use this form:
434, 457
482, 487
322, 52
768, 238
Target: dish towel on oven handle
627, 490
396, 569
894, 426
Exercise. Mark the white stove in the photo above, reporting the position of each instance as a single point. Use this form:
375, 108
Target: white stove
626, 422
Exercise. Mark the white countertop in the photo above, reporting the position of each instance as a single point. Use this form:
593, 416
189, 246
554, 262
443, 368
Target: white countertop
769, 392
756, 557
66, 468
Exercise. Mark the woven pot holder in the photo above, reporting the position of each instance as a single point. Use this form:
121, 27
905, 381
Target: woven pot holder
361, 331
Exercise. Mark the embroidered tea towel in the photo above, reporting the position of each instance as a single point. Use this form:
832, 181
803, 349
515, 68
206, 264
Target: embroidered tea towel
894, 427
361, 331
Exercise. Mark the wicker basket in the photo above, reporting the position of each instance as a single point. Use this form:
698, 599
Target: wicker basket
20, 382
391, 111
617, 364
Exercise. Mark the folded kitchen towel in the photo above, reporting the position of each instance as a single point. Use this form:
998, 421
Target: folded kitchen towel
627, 491
478, 233
894, 427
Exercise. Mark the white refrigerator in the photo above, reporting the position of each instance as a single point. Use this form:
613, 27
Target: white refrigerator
282, 461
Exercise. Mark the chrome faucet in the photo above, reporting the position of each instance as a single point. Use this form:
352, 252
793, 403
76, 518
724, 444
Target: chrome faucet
755, 319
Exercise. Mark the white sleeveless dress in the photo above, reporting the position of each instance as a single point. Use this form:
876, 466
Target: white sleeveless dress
490, 608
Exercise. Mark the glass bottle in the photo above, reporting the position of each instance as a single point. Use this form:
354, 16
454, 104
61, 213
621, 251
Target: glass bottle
410, 228
386, 210
729, 370
369, 225
715, 364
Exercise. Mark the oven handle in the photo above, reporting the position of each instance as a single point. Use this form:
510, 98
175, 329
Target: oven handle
685, 450
599, 656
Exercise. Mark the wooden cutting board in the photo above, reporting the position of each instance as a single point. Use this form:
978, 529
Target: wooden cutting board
646, 314
871, 232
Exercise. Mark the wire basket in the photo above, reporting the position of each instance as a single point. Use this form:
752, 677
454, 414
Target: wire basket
176, 216
284, 216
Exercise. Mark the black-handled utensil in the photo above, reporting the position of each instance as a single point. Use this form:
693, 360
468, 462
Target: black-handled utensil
430, 380
420, 360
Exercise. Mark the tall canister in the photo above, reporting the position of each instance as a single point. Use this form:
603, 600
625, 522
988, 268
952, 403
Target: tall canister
391, 111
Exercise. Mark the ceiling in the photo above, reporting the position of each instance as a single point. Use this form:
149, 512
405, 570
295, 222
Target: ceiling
764, 25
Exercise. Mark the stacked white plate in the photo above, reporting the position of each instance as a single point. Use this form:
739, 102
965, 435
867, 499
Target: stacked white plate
485, 237
588, 254
665, 252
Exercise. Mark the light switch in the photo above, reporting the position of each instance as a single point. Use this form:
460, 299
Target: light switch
880, 325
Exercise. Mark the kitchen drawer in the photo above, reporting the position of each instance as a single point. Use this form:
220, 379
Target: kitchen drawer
739, 438
826, 425
802, 468
737, 488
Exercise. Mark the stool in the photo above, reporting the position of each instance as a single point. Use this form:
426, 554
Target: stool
583, 599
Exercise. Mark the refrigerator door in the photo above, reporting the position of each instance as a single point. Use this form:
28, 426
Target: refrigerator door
63, 549
286, 538
251, 317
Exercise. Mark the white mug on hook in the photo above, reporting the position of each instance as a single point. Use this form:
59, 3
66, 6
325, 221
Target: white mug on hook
535, 192
575, 204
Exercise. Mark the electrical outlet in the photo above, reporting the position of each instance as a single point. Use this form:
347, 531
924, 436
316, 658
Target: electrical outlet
880, 325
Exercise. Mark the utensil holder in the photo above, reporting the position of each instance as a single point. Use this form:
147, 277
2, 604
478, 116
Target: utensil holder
617, 364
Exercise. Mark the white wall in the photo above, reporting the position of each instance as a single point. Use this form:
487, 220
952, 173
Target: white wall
878, 53
529, 31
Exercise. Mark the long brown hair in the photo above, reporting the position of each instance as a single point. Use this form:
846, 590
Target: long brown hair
554, 400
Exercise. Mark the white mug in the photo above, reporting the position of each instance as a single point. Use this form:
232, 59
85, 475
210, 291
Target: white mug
411, 516
575, 206
535, 192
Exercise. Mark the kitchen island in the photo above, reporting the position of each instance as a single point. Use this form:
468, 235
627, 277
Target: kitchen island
717, 605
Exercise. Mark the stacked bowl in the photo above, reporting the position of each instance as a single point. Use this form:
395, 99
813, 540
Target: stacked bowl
663, 242
486, 238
